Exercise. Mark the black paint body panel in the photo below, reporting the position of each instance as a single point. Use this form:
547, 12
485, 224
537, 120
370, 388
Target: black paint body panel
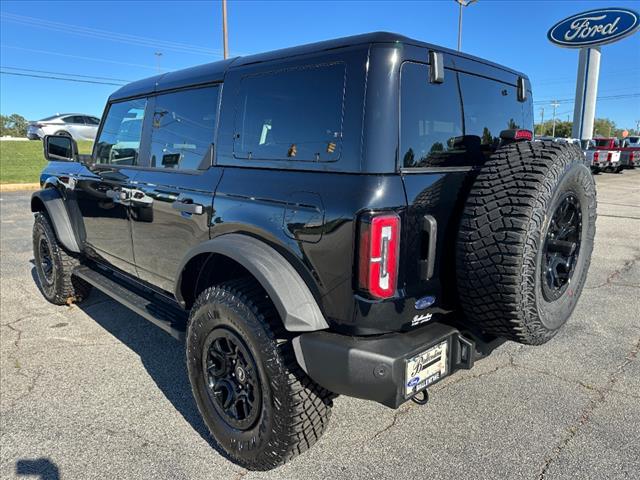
307, 211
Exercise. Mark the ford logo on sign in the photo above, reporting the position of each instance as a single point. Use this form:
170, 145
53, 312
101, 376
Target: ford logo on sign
595, 27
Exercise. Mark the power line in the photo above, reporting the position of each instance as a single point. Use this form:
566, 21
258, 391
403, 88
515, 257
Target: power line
66, 74
80, 57
606, 97
108, 35
60, 78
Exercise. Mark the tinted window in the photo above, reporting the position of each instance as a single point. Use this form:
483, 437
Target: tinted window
293, 114
431, 120
433, 131
490, 107
74, 119
92, 121
183, 129
119, 140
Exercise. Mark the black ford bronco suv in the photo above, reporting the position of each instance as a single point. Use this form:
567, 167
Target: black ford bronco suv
362, 216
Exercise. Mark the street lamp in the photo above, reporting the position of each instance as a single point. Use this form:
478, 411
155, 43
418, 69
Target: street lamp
225, 40
462, 3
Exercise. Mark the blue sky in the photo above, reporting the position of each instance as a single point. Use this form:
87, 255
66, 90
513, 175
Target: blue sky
118, 40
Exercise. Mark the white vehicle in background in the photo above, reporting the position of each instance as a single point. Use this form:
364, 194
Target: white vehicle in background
570, 141
633, 142
604, 160
76, 125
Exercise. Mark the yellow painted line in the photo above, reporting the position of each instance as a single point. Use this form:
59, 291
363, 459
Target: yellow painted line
16, 187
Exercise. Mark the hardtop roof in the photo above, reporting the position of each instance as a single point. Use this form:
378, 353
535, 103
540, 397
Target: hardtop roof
215, 71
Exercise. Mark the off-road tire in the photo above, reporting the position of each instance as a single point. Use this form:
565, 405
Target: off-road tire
503, 231
60, 287
295, 411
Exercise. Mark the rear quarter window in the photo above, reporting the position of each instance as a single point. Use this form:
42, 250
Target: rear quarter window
458, 122
292, 114
491, 107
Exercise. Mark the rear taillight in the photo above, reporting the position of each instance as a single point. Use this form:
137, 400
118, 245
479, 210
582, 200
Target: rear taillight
595, 156
378, 254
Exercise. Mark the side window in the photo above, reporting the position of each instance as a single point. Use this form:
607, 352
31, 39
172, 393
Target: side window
69, 119
119, 140
183, 128
430, 118
91, 121
490, 107
292, 114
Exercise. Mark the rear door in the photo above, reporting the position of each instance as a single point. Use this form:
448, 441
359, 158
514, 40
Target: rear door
171, 202
75, 126
447, 131
91, 127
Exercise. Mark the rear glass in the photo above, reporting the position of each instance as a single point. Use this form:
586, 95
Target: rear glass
431, 119
490, 107
293, 114
457, 122
602, 142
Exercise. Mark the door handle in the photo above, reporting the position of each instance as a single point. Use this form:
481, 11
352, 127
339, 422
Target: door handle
188, 206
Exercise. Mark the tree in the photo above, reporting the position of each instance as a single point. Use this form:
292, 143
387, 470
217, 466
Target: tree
13, 125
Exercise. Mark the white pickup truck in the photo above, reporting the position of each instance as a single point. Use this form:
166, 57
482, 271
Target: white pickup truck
604, 155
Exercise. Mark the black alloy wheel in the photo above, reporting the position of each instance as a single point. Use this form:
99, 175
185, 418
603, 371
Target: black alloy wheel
231, 376
561, 247
46, 261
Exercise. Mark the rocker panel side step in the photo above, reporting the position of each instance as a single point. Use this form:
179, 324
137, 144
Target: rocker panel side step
168, 318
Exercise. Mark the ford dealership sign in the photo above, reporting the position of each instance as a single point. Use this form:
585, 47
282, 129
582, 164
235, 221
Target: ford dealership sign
595, 27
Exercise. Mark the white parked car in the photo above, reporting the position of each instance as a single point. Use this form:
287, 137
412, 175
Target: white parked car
633, 141
76, 125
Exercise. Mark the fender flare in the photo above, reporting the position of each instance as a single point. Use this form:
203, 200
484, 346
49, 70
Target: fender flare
57, 211
289, 293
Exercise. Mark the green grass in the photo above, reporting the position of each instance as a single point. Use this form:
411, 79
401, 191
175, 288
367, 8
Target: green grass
22, 162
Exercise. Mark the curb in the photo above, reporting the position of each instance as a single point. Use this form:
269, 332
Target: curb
16, 187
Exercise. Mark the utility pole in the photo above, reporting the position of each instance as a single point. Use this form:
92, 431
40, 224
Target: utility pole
541, 121
555, 105
462, 3
158, 55
225, 40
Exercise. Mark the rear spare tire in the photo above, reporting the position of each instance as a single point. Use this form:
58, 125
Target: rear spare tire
525, 241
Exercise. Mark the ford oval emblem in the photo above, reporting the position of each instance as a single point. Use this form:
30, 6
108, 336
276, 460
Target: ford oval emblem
425, 302
594, 27
413, 382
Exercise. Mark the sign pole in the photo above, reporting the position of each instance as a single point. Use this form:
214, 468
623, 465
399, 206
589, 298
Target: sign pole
584, 109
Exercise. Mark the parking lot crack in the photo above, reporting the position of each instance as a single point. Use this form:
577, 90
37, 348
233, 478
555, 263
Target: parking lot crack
628, 265
587, 411
394, 420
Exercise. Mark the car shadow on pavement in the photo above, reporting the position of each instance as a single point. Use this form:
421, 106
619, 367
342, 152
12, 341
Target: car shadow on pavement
161, 355
41, 468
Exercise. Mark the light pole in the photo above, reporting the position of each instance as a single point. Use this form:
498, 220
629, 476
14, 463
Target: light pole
225, 41
555, 105
541, 121
462, 3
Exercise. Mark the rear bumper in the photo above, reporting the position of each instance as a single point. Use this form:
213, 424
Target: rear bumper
373, 368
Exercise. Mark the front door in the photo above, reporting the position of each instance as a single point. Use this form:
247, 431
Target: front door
104, 187
172, 198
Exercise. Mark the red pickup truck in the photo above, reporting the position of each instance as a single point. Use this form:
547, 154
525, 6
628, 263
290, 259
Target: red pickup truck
607, 154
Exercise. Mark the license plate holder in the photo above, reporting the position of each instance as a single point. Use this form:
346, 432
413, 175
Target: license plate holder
426, 368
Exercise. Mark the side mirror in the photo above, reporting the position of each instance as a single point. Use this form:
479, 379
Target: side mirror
58, 148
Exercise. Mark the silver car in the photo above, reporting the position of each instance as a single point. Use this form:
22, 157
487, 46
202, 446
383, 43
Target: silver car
75, 125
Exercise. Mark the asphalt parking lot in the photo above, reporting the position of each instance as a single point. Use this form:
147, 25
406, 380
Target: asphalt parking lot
95, 391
